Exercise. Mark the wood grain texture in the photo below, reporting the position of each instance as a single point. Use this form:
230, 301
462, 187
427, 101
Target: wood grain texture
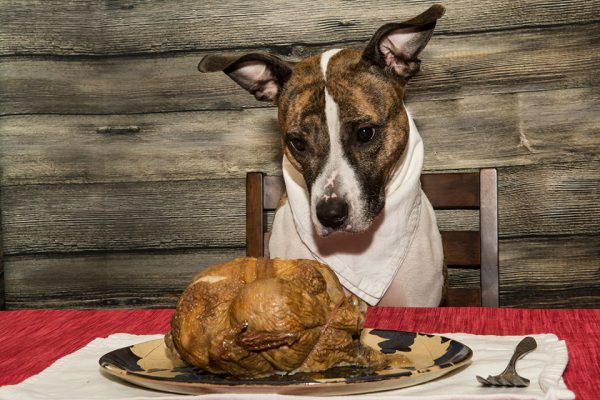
453, 67
122, 168
513, 129
167, 215
488, 222
106, 280
2, 289
166, 147
111, 280
462, 297
457, 220
473, 132
550, 272
255, 223
124, 216
535, 273
556, 199
461, 248
468, 278
2, 283
81, 27
537, 200
452, 190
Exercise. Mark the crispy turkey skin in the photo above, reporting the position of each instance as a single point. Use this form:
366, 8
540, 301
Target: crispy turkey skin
253, 317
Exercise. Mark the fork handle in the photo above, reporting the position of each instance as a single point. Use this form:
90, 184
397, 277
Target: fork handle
525, 346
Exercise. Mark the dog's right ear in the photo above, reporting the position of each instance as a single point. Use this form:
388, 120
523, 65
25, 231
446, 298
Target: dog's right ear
395, 47
261, 74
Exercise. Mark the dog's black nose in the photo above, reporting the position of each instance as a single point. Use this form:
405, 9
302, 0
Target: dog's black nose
332, 212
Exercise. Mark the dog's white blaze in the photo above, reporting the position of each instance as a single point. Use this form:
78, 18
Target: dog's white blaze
331, 179
325, 57
337, 173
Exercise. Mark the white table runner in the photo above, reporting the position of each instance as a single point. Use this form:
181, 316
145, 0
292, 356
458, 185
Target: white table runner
77, 375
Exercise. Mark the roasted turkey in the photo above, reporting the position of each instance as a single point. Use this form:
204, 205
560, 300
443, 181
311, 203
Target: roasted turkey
254, 317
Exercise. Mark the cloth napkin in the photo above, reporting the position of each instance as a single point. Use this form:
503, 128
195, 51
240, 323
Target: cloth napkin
77, 375
401, 239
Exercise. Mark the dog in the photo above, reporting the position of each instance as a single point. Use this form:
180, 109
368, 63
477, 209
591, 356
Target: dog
352, 159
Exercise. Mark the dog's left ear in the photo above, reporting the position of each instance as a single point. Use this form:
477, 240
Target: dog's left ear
396, 46
261, 74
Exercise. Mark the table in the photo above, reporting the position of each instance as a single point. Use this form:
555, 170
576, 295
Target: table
31, 340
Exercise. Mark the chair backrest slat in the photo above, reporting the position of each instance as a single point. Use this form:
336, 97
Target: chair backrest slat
461, 248
452, 190
469, 249
463, 297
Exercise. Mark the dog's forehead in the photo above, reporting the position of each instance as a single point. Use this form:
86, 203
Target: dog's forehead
302, 95
358, 89
315, 70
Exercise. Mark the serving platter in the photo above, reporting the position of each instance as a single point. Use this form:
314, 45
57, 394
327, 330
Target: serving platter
428, 357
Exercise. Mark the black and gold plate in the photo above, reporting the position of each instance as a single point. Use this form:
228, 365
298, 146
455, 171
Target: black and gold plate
429, 356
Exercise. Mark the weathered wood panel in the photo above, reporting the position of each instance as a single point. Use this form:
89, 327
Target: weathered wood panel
112, 281
453, 67
83, 27
148, 147
468, 278
124, 216
2, 290
513, 129
538, 272
472, 132
120, 206
106, 280
541, 200
559, 199
550, 272
169, 215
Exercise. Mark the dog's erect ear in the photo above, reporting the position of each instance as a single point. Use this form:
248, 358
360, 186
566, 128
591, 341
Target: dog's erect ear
396, 46
261, 74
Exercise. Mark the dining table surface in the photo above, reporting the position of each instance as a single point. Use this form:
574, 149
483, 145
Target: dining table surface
31, 340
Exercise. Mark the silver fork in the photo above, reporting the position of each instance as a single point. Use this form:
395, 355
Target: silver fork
509, 376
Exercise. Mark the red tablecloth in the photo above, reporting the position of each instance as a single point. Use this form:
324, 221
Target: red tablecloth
32, 340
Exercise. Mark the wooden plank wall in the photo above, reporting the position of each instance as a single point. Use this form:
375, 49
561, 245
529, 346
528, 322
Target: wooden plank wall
2, 302
123, 167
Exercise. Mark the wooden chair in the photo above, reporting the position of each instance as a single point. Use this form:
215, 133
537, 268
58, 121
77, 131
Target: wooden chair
466, 249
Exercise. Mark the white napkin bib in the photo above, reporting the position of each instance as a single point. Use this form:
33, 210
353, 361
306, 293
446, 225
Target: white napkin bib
367, 263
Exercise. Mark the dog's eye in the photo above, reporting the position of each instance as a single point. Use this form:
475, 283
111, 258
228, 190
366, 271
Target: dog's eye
365, 134
298, 144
